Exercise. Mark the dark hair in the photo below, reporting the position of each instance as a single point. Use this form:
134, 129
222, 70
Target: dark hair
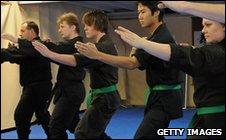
97, 18
153, 6
32, 25
71, 19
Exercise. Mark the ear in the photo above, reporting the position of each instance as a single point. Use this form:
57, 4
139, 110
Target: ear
156, 14
32, 31
73, 27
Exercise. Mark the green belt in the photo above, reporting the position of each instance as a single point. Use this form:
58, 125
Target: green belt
98, 91
160, 88
204, 111
209, 110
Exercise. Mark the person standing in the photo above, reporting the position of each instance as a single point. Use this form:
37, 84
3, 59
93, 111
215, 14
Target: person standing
35, 78
69, 89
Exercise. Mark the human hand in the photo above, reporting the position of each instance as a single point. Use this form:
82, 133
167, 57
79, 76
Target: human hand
88, 49
9, 37
130, 37
41, 48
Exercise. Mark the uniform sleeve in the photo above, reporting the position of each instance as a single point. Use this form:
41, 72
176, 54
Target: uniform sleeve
198, 61
62, 48
142, 58
86, 62
27, 48
11, 55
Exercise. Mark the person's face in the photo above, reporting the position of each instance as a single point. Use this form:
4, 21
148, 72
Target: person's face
90, 31
65, 30
25, 33
213, 31
145, 16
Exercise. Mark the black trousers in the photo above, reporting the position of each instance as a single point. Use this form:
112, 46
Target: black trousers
162, 107
65, 115
96, 118
33, 100
210, 121
154, 119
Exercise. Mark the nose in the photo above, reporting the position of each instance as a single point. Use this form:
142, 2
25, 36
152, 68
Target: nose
204, 30
139, 16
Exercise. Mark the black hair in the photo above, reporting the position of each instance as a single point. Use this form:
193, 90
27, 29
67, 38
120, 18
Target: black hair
32, 25
153, 6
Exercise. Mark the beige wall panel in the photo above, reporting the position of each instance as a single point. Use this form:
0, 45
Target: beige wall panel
10, 88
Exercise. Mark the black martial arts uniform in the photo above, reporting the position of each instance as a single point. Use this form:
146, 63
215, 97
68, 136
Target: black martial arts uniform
163, 104
35, 78
103, 77
69, 92
207, 67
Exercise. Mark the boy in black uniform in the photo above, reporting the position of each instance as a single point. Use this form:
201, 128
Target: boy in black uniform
103, 98
69, 89
35, 78
207, 67
164, 93
164, 102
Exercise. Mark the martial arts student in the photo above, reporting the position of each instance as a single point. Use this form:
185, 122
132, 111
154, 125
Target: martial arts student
69, 90
35, 78
103, 98
207, 67
164, 94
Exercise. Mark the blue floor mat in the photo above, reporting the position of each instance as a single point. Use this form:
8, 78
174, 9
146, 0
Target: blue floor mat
122, 126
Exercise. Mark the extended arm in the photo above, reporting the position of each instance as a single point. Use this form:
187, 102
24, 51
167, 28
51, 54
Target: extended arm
90, 50
204, 10
61, 58
162, 51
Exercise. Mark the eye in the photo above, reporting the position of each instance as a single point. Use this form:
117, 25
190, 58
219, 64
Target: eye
208, 24
142, 12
